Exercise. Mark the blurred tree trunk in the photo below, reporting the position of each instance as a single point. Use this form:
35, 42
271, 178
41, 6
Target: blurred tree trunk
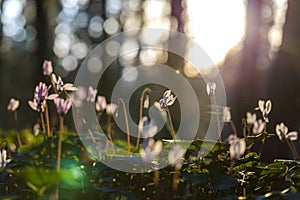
243, 93
1, 10
285, 73
45, 23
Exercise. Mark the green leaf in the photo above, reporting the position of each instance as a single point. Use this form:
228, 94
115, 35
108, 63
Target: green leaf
221, 181
257, 138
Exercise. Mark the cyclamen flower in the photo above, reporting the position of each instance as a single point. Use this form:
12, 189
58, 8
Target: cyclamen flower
265, 108
147, 129
251, 118
91, 96
3, 158
40, 97
231, 138
47, 68
226, 114
13, 104
175, 156
167, 100
60, 85
282, 132
100, 103
111, 108
258, 126
79, 96
151, 151
237, 148
62, 106
211, 88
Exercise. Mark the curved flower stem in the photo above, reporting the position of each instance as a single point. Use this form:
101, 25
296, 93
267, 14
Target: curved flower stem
109, 135
121, 101
175, 180
171, 124
59, 148
265, 128
89, 130
16, 123
47, 120
61, 125
43, 124
233, 128
156, 176
146, 90
262, 147
232, 163
245, 127
218, 118
292, 148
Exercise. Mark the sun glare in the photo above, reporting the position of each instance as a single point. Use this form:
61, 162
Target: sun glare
216, 25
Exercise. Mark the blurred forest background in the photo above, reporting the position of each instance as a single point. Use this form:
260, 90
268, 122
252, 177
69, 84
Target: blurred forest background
255, 43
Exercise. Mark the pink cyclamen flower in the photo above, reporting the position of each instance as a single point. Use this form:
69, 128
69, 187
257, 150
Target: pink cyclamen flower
258, 126
60, 85
251, 118
91, 94
167, 100
151, 151
111, 108
62, 106
40, 97
13, 104
175, 156
237, 148
211, 88
283, 133
265, 108
100, 103
47, 68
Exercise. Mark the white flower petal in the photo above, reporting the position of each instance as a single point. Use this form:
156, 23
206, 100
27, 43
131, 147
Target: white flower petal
52, 96
167, 94
69, 87
170, 101
32, 105
292, 136
268, 106
251, 118
261, 105
175, 155
237, 149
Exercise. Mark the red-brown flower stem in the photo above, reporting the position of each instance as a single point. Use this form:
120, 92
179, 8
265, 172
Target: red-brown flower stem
59, 150
233, 128
16, 123
245, 128
47, 121
292, 148
99, 114
43, 123
59, 146
121, 101
171, 124
156, 177
146, 90
109, 135
175, 180
218, 118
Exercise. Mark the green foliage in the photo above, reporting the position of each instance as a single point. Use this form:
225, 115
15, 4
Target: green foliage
32, 174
